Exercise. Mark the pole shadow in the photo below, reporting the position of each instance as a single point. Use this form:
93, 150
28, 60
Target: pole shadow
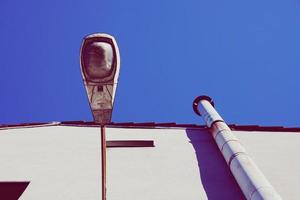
215, 175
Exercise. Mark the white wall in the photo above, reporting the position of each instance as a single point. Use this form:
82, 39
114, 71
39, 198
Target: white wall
184, 164
64, 162
277, 154
60, 162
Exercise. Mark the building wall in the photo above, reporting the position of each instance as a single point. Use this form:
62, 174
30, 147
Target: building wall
277, 155
183, 164
59, 162
65, 162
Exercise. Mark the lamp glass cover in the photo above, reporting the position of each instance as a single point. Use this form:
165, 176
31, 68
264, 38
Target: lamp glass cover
98, 60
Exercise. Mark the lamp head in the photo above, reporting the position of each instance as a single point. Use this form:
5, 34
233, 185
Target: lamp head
100, 66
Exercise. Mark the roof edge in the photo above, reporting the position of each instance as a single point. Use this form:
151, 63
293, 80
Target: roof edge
233, 127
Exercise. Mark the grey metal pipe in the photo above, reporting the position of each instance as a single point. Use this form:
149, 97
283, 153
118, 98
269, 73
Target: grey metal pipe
251, 180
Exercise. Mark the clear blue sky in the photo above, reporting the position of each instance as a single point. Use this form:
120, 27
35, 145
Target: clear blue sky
244, 54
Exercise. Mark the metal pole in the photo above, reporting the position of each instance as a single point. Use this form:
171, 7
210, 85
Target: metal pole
251, 180
103, 162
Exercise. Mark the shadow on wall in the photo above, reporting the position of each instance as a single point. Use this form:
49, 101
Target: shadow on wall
217, 180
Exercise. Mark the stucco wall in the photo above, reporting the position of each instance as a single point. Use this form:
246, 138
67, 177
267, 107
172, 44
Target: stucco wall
277, 154
183, 164
59, 162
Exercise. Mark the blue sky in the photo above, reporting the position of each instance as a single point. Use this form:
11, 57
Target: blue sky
244, 54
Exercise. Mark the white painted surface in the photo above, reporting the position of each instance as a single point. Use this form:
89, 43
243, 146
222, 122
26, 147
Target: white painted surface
277, 154
174, 169
60, 162
167, 171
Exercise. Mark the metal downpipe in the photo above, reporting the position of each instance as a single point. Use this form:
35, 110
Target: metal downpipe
251, 180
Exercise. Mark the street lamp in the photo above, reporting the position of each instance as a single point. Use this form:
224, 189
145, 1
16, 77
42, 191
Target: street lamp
100, 66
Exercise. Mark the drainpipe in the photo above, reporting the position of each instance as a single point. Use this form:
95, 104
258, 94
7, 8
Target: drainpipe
251, 180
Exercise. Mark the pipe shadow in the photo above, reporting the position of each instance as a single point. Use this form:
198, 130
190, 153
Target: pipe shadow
215, 175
